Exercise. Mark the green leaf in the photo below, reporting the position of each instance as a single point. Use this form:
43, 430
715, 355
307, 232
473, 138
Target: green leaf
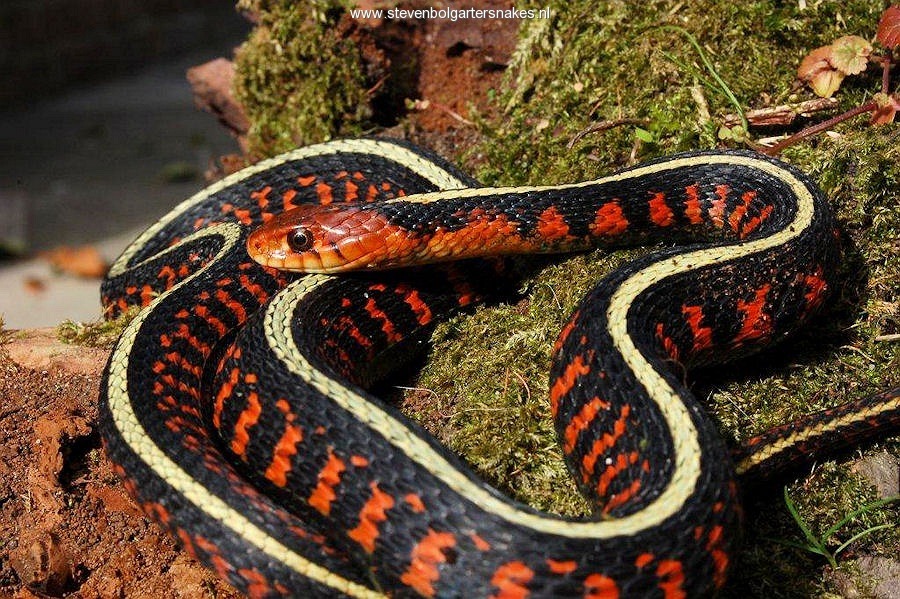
644, 135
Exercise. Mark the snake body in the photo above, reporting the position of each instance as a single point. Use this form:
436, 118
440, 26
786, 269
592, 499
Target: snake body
234, 404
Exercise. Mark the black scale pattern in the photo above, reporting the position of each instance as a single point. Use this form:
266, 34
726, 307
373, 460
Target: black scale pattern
333, 346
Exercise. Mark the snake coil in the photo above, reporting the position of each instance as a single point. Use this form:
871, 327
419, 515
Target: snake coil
234, 404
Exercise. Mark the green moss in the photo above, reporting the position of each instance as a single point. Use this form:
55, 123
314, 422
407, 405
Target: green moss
102, 333
299, 80
606, 61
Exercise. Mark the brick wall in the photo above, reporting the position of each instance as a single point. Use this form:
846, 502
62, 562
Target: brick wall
46, 45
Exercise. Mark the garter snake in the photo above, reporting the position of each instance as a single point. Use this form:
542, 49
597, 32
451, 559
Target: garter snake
234, 405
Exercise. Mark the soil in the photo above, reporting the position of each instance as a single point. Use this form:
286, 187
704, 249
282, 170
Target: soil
67, 527
66, 524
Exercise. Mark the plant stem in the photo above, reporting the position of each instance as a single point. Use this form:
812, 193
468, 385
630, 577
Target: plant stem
819, 127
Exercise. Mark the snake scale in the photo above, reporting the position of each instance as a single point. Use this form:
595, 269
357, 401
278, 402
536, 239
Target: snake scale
234, 405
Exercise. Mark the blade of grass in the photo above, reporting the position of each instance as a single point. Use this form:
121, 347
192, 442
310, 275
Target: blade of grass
813, 540
712, 70
860, 535
862, 510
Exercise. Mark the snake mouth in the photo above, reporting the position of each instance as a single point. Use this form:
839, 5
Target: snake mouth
265, 249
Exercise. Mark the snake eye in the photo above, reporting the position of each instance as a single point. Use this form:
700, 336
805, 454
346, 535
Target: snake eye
299, 240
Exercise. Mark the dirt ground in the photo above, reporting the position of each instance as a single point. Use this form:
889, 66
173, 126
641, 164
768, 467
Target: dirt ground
67, 528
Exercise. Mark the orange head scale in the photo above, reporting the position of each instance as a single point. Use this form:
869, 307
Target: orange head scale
329, 239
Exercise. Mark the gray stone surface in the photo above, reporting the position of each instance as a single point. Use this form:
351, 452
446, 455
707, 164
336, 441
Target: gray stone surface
882, 470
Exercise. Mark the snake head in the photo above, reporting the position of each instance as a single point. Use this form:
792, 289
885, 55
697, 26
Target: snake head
322, 239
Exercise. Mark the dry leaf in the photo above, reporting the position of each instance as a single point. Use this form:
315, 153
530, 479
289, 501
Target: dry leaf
887, 109
850, 54
888, 34
817, 70
814, 62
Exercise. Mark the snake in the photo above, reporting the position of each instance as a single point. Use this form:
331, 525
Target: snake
237, 405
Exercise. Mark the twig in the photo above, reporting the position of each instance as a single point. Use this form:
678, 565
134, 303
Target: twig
885, 73
425, 104
892, 337
604, 126
781, 115
824, 125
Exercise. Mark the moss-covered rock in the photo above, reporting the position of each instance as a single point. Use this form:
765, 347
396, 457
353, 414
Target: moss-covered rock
299, 79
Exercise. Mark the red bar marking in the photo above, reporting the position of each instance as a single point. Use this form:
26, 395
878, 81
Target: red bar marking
386, 325
415, 502
621, 498
511, 580
692, 209
566, 381
623, 461
816, 287
287, 199
213, 321
562, 567
346, 323
551, 224
756, 322
262, 196
643, 559
581, 421
419, 307
740, 210
479, 542
258, 292
425, 557
224, 393
605, 443
717, 209
671, 578
702, 335
660, 213
566, 331
372, 512
233, 305
351, 191
243, 215
668, 344
329, 478
249, 417
285, 448
754, 222
609, 220
323, 190
600, 586
258, 587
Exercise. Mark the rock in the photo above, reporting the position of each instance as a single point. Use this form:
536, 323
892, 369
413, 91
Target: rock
42, 564
844, 584
39, 349
883, 573
882, 470
212, 86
